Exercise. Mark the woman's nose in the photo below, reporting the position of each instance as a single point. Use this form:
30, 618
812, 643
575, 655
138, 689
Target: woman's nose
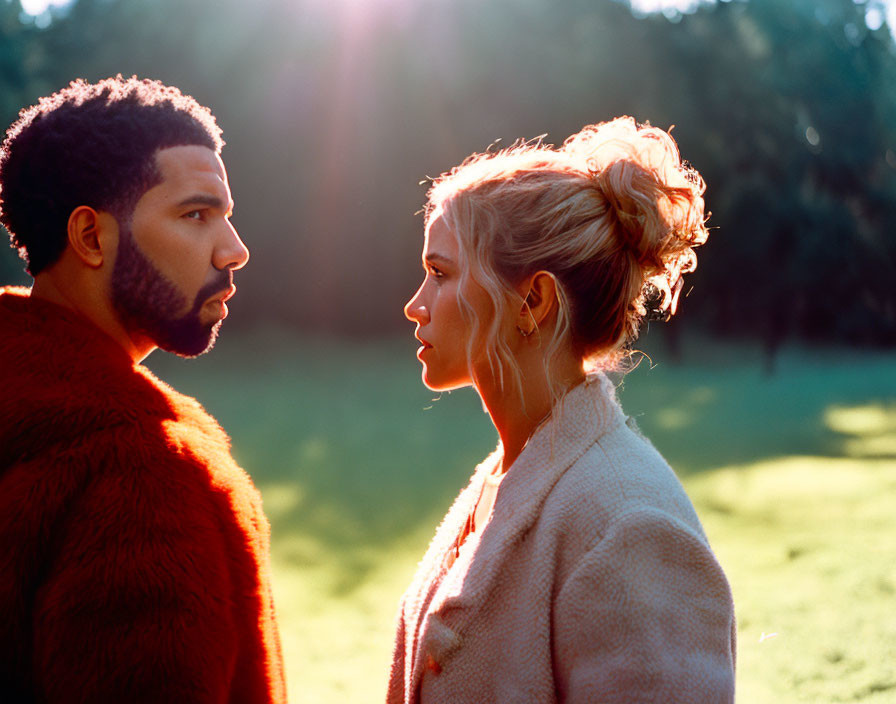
415, 311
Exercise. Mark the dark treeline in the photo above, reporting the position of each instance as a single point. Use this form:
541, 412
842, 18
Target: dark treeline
335, 110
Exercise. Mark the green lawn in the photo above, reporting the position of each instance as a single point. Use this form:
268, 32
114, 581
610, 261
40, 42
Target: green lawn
793, 475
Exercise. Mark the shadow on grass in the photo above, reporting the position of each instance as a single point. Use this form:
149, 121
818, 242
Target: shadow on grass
353, 454
720, 408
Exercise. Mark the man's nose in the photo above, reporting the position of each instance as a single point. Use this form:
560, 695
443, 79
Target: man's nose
231, 252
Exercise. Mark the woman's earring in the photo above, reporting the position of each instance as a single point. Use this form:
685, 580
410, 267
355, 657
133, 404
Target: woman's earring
526, 333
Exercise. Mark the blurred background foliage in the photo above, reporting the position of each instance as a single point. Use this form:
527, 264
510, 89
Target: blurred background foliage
335, 110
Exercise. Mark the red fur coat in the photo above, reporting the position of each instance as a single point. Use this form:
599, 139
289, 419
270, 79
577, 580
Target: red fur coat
134, 559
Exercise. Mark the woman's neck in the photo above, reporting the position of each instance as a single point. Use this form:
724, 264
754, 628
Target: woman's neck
518, 413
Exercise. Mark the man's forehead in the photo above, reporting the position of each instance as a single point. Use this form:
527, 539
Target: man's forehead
191, 162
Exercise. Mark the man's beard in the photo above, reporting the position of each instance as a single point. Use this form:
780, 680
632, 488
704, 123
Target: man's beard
147, 302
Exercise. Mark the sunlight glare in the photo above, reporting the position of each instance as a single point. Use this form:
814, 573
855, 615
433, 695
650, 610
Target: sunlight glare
370, 10
891, 16
649, 6
876, 14
38, 7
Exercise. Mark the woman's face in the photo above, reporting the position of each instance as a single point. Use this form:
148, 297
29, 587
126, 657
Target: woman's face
442, 329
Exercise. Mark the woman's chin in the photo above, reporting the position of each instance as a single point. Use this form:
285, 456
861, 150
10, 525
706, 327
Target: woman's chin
431, 384
434, 383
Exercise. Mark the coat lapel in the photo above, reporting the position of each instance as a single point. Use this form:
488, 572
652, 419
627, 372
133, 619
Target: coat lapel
586, 413
429, 576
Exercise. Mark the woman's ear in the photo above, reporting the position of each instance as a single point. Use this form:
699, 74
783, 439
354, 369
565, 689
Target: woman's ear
88, 232
539, 294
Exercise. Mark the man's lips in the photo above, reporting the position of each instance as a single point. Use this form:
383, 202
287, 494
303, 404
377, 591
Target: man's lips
219, 301
223, 296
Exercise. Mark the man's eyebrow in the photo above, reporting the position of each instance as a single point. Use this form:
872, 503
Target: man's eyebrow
205, 199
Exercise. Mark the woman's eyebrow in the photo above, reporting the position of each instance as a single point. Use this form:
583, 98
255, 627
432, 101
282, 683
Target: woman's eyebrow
436, 257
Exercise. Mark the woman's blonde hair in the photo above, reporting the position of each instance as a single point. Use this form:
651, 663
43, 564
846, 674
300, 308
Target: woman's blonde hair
613, 215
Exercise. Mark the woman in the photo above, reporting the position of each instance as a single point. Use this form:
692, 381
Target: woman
573, 567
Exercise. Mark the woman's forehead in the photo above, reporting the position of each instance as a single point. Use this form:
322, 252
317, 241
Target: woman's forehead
439, 238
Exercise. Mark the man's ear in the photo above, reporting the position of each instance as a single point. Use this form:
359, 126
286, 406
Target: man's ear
89, 233
539, 300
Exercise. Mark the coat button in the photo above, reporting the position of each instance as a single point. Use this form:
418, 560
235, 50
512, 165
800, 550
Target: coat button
432, 665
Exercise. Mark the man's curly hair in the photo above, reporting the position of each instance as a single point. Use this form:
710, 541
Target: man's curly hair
90, 144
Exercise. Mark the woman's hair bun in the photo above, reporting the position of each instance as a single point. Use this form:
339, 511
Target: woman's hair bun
655, 199
613, 214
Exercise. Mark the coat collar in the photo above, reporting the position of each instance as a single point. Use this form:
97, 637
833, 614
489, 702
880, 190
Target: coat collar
583, 415
62, 378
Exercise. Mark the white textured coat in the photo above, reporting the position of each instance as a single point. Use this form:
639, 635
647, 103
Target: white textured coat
592, 582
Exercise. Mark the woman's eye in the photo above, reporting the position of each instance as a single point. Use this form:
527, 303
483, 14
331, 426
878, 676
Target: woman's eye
436, 273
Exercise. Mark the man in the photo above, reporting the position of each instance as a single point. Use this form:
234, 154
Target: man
134, 559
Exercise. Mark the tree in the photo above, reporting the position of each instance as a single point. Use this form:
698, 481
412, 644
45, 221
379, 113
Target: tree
334, 113
790, 113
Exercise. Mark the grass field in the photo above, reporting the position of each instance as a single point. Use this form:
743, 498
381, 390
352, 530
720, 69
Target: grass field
794, 476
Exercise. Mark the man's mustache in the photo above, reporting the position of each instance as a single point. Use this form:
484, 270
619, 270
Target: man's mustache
223, 280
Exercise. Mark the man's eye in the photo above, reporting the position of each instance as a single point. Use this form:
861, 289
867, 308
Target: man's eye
194, 215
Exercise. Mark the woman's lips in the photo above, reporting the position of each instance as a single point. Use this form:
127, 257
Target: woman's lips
424, 345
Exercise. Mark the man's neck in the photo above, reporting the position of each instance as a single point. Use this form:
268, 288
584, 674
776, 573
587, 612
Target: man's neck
91, 304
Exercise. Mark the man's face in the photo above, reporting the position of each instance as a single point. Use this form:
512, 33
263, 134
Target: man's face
174, 267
